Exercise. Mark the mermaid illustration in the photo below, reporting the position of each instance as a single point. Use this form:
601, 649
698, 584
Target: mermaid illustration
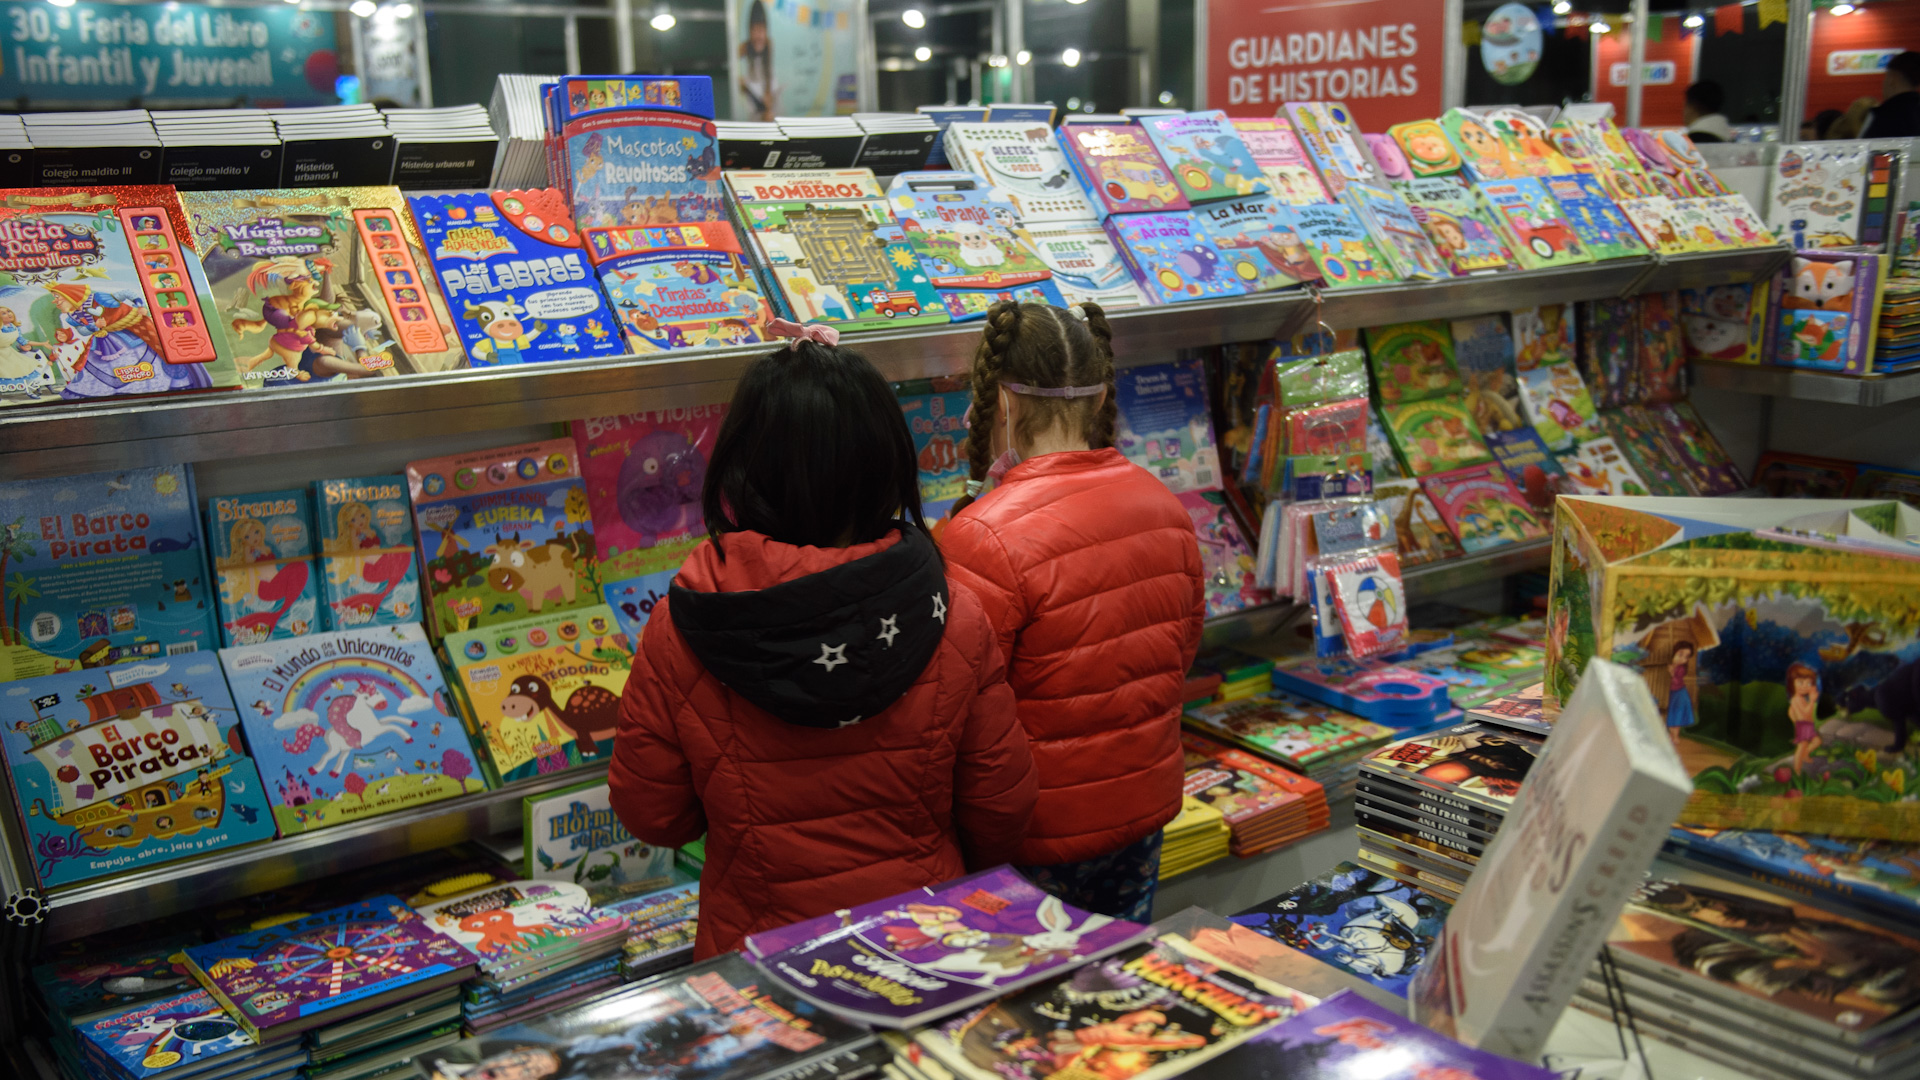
248, 543
288, 289
354, 529
118, 349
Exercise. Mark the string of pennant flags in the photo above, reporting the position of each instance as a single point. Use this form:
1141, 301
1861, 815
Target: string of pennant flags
1725, 19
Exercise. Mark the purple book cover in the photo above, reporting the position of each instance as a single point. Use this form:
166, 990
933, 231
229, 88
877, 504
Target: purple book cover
1120, 169
1347, 1036
901, 961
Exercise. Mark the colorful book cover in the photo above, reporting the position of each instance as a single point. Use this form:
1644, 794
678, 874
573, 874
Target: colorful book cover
1815, 194
1600, 467
1386, 463
1280, 156
325, 284
504, 533
1482, 507
1172, 258
830, 240
1601, 226
1226, 560
961, 943
1653, 218
1483, 355
676, 287
1363, 923
88, 983
1428, 150
1289, 728
368, 574
644, 473
1700, 227
1260, 248
1481, 764
129, 767
1397, 232
1025, 162
1534, 225
1652, 461
1420, 534
1435, 435
1711, 471
263, 570
516, 276
1530, 467
1086, 266
1557, 405
522, 927
641, 167
1333, 141
1412, 361
1483, 153
1662, 353
1165, 425
1725, 322
969, 239
349, 725
186, 1033
937, 421
1459, 227
1827, 318
1526, 136
1119, 168
573, 835
77, 598
1348, 1035
542, 694
1748, 228
1881, 877
287, 978
1386, 154
1609, 350
1206, 155
1340, 246
1542, 335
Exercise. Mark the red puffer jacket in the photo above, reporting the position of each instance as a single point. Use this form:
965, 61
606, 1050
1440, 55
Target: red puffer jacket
1090, 571
835, 720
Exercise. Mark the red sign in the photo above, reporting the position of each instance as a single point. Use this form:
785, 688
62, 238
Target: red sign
1381, 57
1850, 52
1663, 88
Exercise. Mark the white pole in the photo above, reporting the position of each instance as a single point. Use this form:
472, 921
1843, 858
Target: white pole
623, 35
1453, 58
422, 67
1636, 61
1020, 77
573, 45
1793, 81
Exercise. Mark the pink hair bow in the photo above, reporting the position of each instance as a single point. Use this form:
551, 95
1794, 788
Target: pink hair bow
824, 335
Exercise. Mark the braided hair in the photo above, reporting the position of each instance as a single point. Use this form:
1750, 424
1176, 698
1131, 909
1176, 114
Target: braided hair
1039, 345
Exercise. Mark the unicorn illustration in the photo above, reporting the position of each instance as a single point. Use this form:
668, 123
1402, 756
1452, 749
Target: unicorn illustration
353, 723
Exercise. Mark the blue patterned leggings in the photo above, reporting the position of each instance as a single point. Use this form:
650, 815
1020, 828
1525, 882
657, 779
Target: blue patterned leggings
1120, 884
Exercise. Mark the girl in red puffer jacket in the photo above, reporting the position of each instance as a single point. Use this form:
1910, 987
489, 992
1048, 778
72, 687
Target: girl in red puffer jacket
814, 694
1088, 567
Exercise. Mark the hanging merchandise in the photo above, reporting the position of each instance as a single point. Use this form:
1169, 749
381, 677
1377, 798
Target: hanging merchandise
1372, 602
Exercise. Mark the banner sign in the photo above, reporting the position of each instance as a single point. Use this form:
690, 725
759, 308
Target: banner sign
1652, 73
793, 59
172, 51
1382, 57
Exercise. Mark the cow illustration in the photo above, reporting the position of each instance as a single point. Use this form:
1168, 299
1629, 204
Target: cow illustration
538, 572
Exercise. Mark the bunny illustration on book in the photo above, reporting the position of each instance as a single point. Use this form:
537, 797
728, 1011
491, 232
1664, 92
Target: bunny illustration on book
1003, 956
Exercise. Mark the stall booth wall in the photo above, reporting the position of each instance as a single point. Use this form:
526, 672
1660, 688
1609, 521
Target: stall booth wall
1669, 71
1850, 52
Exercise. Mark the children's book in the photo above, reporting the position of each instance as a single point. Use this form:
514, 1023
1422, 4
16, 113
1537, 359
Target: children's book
1557, 405
1172, 259
1725, 322
542, 694
1412, 361
1333, 141
1427, 148
1601, 467
937, 421
1347, 1035
1535, 227
1700, 227
86, 984
1651, 459
1459, 227
1542, 335
832, 244
1119, 168
1827, 311
1206, 155
1743, 222
504, 534
1386, 154
1878, 878
1482, 507
1226, 559
1803, 476
1026, 163
516, 276
1387, 693
300, 974
970, 241
1654, 217
1609, 350
1420, 533
1530, 467
1526, 136
1258, 246
1483, 355
1359, 921
325, 284
572, 834
349, 725
1290, 729
102, 298
677, 286
1086, 266
1435, 435
1484, 155
263, 569
128, 767
113, 571
1709, 469
644, 473
1815, 194
1340, 246
1596, 220
1662, 349
368, 576
1165, 425
642, 167
1397, 232
184, 1033
521, 929
1277, 151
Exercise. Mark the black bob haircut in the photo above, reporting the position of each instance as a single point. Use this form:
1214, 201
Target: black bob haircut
814, 452
1707, 97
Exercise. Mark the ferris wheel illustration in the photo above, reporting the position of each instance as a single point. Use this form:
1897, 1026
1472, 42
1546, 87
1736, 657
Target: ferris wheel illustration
329, 961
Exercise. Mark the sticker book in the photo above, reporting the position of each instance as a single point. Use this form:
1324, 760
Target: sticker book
677, 287
573, 835
1165, 426
1172, 259
643, 474
504, 534
1815, 194
1119, 168
542, 693
263, 568
1598, 223
1206, 155
1482, 507
1535, 228
1483, 355
1361, 922
1282, 160
350, 724
642, 167
368, 574
1025, 162
1397, 232
91, 605
1086, 266
516, 276
1420, 534
1435, 435
971, 244
1333, 141
1557, 405
1259, 247
1459, 227
324, 284
1412, 361
129, 767
1340, 245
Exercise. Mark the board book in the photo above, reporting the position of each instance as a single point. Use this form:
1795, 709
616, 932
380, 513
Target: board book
1459, 227
1484, 155
1557, 405
1536, 229
1412, 361
1332, 139
368, 574
641, 167
1595, 219
1119, 169
1172, 259
677, 287
542, 694
1207, 156
643, 474
324, 284
350, 724
1725, 322
1025, 161
1827, 311
1276, 150
573, 835
504, 534
1483, 355
1482, 507
1656, 219
1435, 435
1397, 232
1339, 245
183, 1034
1420, 534
1086, 266
262, 548
970, 242
1428, 150
1257, 246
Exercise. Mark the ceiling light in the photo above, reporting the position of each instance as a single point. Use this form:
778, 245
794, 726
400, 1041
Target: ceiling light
1073, 104
998, 60
923, 54
913, 17
1023, 58
1694, 21
403, 11
1070, 57
1166, 97
362, 8
61, 3
1843, 9
1599, 26
662, 20
1561, 7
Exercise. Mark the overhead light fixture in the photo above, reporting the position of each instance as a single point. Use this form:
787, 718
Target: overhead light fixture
1166, 97
1070, 57
663, 20
360, 8
1599, 26
1023, 58
1561, 7
914, 17
293, 1
403, 11
1073, 104
923, 54
1843, 9
1694, 21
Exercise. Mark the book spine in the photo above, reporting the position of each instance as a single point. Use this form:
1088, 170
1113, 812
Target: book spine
1083, 175
1127, 258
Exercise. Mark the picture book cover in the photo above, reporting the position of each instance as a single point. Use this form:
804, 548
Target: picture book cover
1281, 158
325, 284
1662, 351
1482, 507
1598, 223
1420, 534
1652, 459
1745, 224
1815, 194
1024, 161
1483, 153
1165, 425
368, 576
1481, 764
1175, 1004
1206, 155
1483, 355
287, 978
1459, 227
832, 244
1365, 924
1172, 259
643, 474
937, 421
1397, 233
543, 693
1226, 559
1119, 168
573, 835
1725, 322
642, 167
1880, 877
1086, 266
1340, 246
1801, 476
1557, 405
1412, 361
676, 287
1535, 227
1259, 247
1386, 154
349, 725
1542, 335
78, 600
1435, 435
516, 276
1528, 141
264, 578
967, 235
959, 944
1609, 350
1654, 218
520, 926
504, 534
1428, 150
1530, 467
1700, 226
1828, 304
1347, 1035
1709, 468
1601, 467
185, 1032
1332, 139
1289, 728
91, 983
129, 767
1249, 792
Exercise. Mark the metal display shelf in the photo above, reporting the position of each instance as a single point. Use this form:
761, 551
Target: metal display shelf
1804, 385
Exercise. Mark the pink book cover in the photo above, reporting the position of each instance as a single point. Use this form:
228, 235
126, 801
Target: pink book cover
1482, 507
1120, 169
644, 473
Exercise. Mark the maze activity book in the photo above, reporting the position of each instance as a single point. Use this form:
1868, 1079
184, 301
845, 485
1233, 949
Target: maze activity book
263, 569
1282, 160
349, 725
1171, 257
676, 286
1206, 155
1086, 266
1025, 162
970, 241
543, 693
504, 534
1119, 168
368, 576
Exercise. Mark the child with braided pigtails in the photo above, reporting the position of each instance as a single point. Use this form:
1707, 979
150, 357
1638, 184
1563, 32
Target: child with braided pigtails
1090, 574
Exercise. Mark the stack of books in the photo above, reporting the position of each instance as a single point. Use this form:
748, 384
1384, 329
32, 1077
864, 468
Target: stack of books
535, 940
334, 146
749, 144
660, 929
896, 142
1897, 346
1265, 806
485, 1005
219, 149
94, 148
1373, 927
1876, 881
1321, 741
516, 116
452, 147
181, 1037
1478, 671
820, 142
1523, 710
1200, 835
1428, 805
384, 1041
1241, 675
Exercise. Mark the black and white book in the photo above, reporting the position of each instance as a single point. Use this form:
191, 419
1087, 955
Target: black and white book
452, 147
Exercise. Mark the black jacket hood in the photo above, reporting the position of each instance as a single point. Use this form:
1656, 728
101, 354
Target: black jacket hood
828, 649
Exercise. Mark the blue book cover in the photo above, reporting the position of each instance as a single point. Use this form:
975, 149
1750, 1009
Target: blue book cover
184, 1033
103, 568
1881, 877
1208, 158
677, 287
130, 766
350, 724
1483, 354
1260, 248
1406, 245
970, 242
1086, 266
1165, 425
263, 570
938, 423
1366, 924
1339, 245
1172, 258
576, 96
516, 276
368, 575
632, 599
1594, 216
642, 168
1524, 457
